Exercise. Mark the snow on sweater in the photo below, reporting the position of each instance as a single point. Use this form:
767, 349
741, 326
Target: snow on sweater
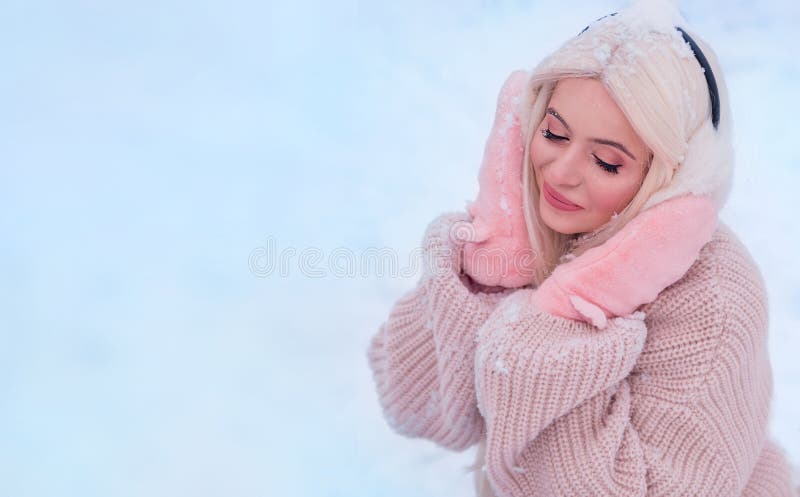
673, 400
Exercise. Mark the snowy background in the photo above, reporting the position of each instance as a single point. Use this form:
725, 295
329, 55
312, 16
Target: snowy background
150, 151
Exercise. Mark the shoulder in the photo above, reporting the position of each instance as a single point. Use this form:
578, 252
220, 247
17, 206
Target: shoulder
716, 311
725, 276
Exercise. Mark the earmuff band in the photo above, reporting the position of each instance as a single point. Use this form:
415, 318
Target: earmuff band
713, 91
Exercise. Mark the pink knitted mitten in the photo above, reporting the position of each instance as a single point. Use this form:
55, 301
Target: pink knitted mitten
499, 251
651, 252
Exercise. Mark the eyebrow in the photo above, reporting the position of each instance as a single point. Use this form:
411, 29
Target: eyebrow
601, 141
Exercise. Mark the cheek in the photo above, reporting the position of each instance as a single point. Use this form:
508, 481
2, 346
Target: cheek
539, 151
609, 195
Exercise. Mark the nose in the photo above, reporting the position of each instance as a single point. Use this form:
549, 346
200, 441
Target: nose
566, 170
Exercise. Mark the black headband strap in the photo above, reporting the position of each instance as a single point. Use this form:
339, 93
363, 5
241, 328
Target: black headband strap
711, 81
713, 91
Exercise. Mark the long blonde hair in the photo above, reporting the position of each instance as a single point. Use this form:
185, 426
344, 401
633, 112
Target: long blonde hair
664, 97
659, 86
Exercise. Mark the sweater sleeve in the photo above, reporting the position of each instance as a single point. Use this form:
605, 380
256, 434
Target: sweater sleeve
533, 368
422, 357
572, 410
676, 404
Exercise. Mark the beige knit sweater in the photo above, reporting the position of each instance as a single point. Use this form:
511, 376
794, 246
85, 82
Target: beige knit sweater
671, 401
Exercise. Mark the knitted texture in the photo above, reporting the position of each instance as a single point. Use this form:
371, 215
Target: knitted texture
672, 400
422, 358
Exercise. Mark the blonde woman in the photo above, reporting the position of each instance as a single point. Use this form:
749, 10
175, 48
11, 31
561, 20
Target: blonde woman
589, 322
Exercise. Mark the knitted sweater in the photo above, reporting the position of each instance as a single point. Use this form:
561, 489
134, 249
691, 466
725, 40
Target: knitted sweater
673, 400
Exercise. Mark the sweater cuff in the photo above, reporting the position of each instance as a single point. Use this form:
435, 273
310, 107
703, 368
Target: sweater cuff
459, 306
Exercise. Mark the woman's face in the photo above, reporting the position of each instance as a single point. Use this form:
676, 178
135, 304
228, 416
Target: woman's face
586, 153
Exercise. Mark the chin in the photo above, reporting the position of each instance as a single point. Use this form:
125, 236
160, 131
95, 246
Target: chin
565, 228
567, 231
559, 224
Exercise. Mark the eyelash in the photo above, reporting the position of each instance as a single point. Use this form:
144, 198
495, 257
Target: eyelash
611, 168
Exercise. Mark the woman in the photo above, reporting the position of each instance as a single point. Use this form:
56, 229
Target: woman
589, 322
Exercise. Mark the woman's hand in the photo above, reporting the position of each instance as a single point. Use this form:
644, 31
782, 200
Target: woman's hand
651, 252
498, 253
443, 245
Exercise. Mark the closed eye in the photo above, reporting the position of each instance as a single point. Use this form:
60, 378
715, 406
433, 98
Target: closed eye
611, 168
550, 136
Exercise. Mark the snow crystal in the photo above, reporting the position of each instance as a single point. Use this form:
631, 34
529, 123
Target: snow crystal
500, 366
508, 122
683, 49
433, 405
511, 312
659, 14
504, 204
602, 53
407, 425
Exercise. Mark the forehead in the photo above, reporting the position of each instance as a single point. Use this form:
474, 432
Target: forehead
584, 94
588, 108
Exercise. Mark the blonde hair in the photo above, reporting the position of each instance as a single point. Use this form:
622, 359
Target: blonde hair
660, 87
664, 97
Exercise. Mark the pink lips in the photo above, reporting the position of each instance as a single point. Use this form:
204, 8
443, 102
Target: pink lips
558, 201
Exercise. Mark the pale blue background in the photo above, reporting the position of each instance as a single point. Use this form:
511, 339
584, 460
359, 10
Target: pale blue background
148, 148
